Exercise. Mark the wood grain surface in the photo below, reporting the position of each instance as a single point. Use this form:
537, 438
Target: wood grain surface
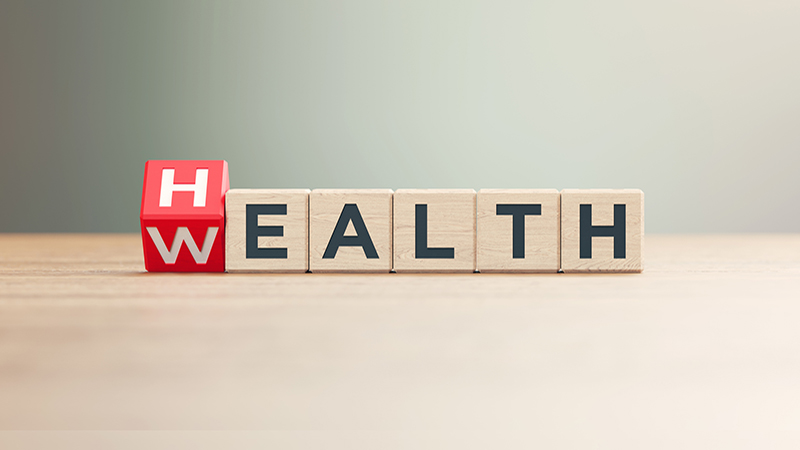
602, 203
325, 208
707, 338
494, 232
294, 231
450, 224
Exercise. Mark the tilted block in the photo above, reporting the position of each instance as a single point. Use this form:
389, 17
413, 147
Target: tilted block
267, 230
602, 230
434, 230
183, 216
350, 230
518, 230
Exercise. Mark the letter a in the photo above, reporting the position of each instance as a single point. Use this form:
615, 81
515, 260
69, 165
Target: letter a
350, 213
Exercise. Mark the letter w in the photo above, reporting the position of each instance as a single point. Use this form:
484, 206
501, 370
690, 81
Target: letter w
182, 235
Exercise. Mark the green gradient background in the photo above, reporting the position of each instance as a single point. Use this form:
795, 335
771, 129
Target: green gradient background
695, 102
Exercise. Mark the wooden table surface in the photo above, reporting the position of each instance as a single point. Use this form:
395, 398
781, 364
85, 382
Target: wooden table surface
707, 338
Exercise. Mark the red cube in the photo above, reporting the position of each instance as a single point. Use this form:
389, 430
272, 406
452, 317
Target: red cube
183, 216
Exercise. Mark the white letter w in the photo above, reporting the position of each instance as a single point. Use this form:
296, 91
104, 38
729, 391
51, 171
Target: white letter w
181, 236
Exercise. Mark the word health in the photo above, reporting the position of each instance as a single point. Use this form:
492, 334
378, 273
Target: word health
193, 222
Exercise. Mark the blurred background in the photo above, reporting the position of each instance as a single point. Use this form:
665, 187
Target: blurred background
696, 102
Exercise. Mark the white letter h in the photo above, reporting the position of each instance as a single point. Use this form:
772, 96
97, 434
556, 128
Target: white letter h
168, 186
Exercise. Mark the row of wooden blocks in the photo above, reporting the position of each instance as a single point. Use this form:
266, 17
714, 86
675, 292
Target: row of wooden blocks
433, 230
192, 222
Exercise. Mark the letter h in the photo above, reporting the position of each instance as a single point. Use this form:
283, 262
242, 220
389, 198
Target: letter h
168, 187
616, 231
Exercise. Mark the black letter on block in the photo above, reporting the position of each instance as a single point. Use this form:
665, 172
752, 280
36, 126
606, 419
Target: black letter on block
518, 212
421, 238
350, 213
616, 231
254, 231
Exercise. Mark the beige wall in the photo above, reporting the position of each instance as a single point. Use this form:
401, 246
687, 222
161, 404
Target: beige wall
695, 102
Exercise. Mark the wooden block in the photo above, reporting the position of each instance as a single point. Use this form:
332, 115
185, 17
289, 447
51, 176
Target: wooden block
602, 230
350, 230
518, 230
183, 216
434, 230
267, 230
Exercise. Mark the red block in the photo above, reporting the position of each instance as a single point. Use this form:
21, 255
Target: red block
183, 216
